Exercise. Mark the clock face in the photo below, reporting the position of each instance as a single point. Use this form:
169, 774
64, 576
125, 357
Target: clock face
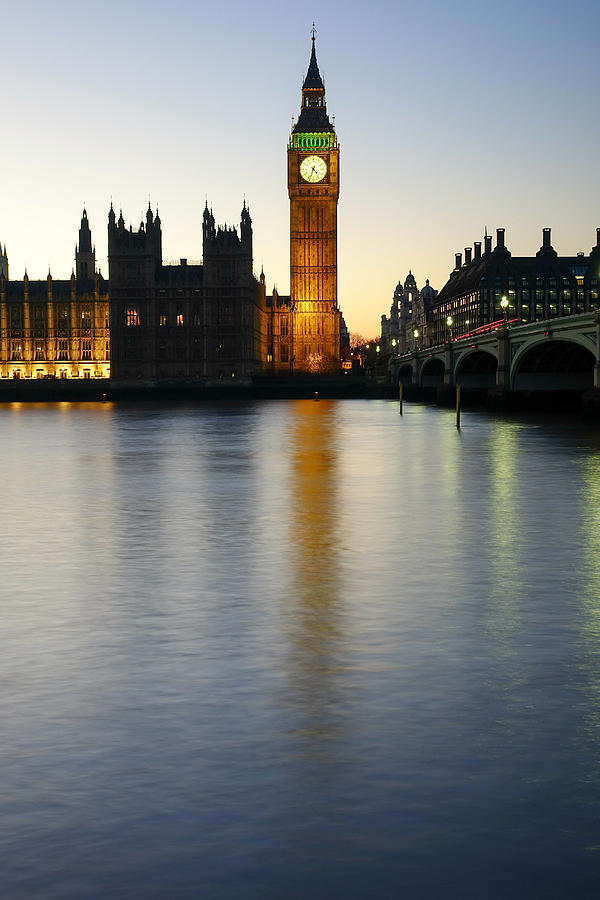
313, 168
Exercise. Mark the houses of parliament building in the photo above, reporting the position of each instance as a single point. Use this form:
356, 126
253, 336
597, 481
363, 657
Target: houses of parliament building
151, 322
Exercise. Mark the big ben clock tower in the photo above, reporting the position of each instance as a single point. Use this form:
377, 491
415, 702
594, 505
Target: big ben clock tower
313, 187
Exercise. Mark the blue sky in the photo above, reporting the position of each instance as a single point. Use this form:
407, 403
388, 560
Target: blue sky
450, 117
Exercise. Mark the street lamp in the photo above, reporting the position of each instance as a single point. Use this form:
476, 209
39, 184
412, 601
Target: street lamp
416, 336
377, 348
504, 305
394, 342
449, 323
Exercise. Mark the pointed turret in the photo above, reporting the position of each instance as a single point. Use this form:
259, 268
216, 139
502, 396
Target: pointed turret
85, 255
3, 262
208, 223
246, 226
313, 80
313, 117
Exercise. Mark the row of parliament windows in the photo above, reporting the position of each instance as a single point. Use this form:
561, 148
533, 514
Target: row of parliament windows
63, 374
39, 318
223, 315
63, 354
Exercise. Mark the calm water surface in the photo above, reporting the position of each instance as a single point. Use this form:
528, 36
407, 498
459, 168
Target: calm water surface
298, 649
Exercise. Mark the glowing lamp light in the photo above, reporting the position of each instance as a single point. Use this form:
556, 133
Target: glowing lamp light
416, 333
394, 342
449, 321
377, 348
504, 303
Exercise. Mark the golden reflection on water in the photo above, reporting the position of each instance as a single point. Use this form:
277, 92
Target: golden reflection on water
313, 554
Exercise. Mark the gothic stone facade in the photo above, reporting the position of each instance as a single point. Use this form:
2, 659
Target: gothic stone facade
186, 322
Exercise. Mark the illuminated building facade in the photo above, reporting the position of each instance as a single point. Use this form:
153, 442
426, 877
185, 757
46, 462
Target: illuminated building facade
312, 343
52, 328
540, 287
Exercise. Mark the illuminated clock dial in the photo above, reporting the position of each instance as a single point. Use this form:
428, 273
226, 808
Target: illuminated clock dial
313, 168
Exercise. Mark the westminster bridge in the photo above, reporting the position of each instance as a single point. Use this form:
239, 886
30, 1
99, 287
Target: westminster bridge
552, 355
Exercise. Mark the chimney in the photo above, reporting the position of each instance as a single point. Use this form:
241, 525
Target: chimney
488, 243
477, 246
499, 237
457, 260
467, 255
546, 238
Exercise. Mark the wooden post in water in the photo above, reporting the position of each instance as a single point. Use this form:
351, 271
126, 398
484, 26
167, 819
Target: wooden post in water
458, 405
400, 395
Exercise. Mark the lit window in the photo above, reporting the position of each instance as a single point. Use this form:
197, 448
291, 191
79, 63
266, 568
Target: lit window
132, 316
86, 349
179, 318
63, 352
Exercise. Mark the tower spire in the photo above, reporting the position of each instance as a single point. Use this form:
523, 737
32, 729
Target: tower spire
85, 256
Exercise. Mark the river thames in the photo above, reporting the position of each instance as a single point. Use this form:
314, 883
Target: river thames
295, 649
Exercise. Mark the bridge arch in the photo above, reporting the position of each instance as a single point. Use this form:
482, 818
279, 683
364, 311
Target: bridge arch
476, 368
553, 365
432, 372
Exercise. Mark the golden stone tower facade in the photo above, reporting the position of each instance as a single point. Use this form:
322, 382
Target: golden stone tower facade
313, 187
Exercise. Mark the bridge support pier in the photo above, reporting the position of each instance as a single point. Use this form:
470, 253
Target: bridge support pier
445, 394
590, 401
415, 370
500, 396
448, 379
503, 369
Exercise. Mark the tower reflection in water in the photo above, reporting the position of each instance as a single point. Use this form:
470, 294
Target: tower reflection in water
313, 607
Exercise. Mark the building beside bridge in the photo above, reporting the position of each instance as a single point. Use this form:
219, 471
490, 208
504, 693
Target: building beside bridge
537, 288
409, 321
507, 324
